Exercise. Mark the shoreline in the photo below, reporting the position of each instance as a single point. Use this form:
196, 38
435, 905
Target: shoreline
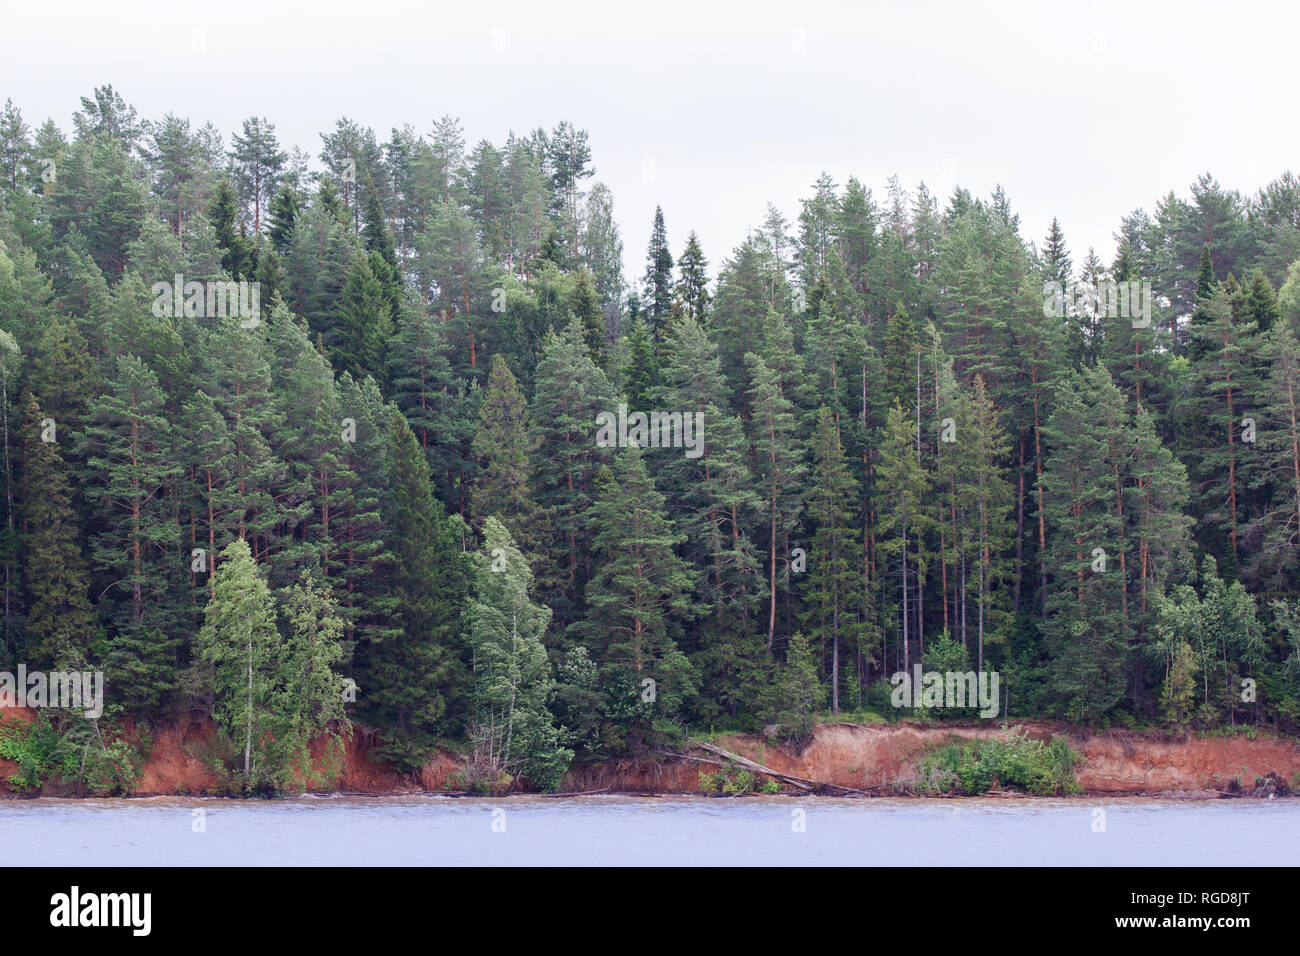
842, 761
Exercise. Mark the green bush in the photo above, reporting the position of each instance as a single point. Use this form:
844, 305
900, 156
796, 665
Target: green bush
727, 782
69, 749
33, 746
1014, 761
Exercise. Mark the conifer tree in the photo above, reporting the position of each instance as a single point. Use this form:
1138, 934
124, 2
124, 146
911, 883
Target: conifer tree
585, 306
1056, 258
238, 256
133, 468
640, 372
657, 284
511, 726
359, 341
778, 471
570, 392
1224, 391
638, 597
799, 692
1279, 523
60, 619
833, 558
407, 681
693, 284
504, 443
903, 487
711, 499
1088, 627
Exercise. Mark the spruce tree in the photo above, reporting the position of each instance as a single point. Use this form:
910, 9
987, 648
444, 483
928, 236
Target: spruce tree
638, 597
411, 683
693, 283
571, 391
657, 284
640, 371
364, 324
504, 443
711, 499
585, 306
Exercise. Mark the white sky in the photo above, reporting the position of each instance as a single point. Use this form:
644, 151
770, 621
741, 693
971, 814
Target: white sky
1084, 115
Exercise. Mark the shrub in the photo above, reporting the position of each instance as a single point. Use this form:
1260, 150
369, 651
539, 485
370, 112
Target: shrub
1014, 761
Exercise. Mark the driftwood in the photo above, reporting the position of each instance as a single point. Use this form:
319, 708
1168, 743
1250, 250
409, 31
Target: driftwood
802, 783
576, 793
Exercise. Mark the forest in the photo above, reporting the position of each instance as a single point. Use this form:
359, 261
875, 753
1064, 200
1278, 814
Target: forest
308, 446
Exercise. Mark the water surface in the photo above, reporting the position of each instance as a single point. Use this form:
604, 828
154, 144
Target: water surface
665, 831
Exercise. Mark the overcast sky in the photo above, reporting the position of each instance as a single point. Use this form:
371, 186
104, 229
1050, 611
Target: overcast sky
711, 109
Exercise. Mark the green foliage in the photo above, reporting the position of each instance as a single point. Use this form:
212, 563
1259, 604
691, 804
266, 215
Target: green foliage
904, 456
87, 753
1013, 760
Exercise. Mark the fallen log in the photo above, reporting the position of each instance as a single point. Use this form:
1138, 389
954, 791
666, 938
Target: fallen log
802, 783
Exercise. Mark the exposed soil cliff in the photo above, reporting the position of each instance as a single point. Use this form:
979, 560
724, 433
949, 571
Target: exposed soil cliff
847, 755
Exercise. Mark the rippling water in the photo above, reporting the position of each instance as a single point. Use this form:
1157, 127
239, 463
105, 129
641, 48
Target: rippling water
431, 830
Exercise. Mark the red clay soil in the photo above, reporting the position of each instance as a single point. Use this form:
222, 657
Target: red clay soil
848, 755
1115, 762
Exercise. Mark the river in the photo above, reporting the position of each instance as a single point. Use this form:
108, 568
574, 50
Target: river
668, 831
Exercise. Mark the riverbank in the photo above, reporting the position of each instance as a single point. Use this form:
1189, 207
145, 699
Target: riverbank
874, 759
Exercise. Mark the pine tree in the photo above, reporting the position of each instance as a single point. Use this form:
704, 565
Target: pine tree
1224, 392
310, 438
133, 469
1088, 627
11, 358
60, 619
986, 501
778, 470
904, 488
1278, 526
237, 376
257, 161
834, 560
